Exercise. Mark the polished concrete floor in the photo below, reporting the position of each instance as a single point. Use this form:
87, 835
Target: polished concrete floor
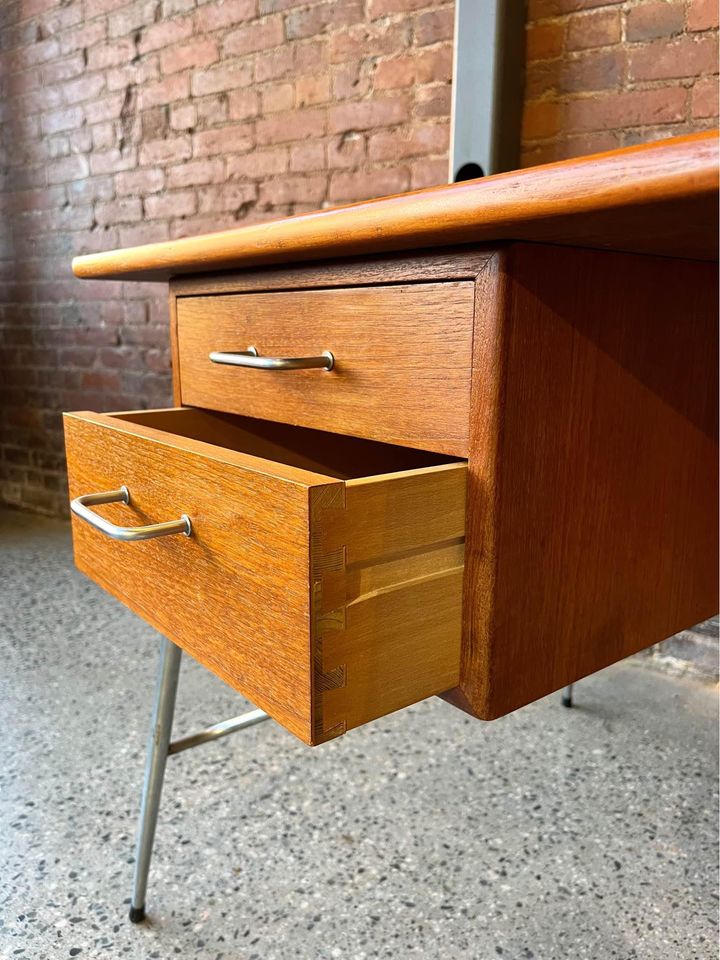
550, 834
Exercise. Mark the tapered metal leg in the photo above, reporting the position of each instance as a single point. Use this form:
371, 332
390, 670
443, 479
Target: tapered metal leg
567, 696
157, 754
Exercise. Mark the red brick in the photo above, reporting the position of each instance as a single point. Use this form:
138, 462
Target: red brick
272, 64
307, 156
705, 98
195, 173
312, 90
165, 33
242, 104
226, 76
83, 37
197, 53
352, 80
537, 9
110, 55
176, 87
627, 109
593, 70
139, 182
380, 8
383, 38
433, 101
213, 111
74, 167
59, 120
702, 15
291, 190
236, 138
398, 72
183, 116
650, 21
432, 138
309, 22
434, 25
277, 96
368, 185
669, 59
167, 150
258, 35
428, 173
234, 198
368, 114
216, 16
172, 203
599, 28
125, 210
293, 125
541, 119
434, 65
60, 70
84, 88
260, 163
543, 41
128, 19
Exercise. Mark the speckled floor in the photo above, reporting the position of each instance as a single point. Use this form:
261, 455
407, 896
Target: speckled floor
550, 834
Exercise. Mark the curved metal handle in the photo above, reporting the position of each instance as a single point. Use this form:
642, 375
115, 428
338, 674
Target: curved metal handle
251, 358
80, 507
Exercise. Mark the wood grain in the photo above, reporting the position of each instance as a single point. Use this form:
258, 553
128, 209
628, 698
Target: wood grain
654, 198
387, 566
402, 359
327, 603
592, 510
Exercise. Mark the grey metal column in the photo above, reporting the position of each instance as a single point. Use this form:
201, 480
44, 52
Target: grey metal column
487, 90
157, 754
567, 696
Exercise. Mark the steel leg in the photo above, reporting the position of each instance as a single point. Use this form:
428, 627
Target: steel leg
567, 696
157, 754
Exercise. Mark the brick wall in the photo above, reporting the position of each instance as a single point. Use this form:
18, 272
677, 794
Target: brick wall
607, 74
127, 122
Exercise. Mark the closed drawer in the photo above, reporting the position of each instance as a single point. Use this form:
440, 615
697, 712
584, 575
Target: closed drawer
322, 577
402, 359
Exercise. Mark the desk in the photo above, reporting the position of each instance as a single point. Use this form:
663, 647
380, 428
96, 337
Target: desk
461, 442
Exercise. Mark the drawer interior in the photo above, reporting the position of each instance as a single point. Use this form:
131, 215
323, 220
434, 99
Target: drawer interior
331, 454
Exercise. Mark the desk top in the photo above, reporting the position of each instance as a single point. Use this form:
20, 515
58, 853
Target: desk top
657, 198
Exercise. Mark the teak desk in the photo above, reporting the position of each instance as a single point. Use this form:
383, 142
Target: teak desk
457, 442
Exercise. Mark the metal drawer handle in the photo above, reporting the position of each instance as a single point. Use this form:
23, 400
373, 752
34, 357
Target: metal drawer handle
251, 358
80, 507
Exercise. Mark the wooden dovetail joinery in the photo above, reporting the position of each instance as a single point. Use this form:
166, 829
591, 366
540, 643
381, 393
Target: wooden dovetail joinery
386, 604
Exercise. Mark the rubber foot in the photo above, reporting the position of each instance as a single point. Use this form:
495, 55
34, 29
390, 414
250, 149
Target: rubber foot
137, 914
567, 702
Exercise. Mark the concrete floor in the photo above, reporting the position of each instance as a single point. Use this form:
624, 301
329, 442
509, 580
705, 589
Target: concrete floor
549, 834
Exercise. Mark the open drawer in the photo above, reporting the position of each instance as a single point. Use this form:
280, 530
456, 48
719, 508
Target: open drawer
320, 575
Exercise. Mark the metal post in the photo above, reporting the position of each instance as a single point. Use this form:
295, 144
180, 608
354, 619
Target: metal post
567, 696
157, 754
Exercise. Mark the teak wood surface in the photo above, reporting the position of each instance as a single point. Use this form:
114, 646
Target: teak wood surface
592, 489
403, 356
328, 602
658, 198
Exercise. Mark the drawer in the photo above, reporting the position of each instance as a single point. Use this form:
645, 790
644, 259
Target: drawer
322, 574
401, 370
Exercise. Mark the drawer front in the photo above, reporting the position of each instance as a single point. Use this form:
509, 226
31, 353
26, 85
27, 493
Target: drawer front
402, 359
327, 602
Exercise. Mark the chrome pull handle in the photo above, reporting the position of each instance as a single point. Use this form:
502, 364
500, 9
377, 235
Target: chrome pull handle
251, 358
81, 508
